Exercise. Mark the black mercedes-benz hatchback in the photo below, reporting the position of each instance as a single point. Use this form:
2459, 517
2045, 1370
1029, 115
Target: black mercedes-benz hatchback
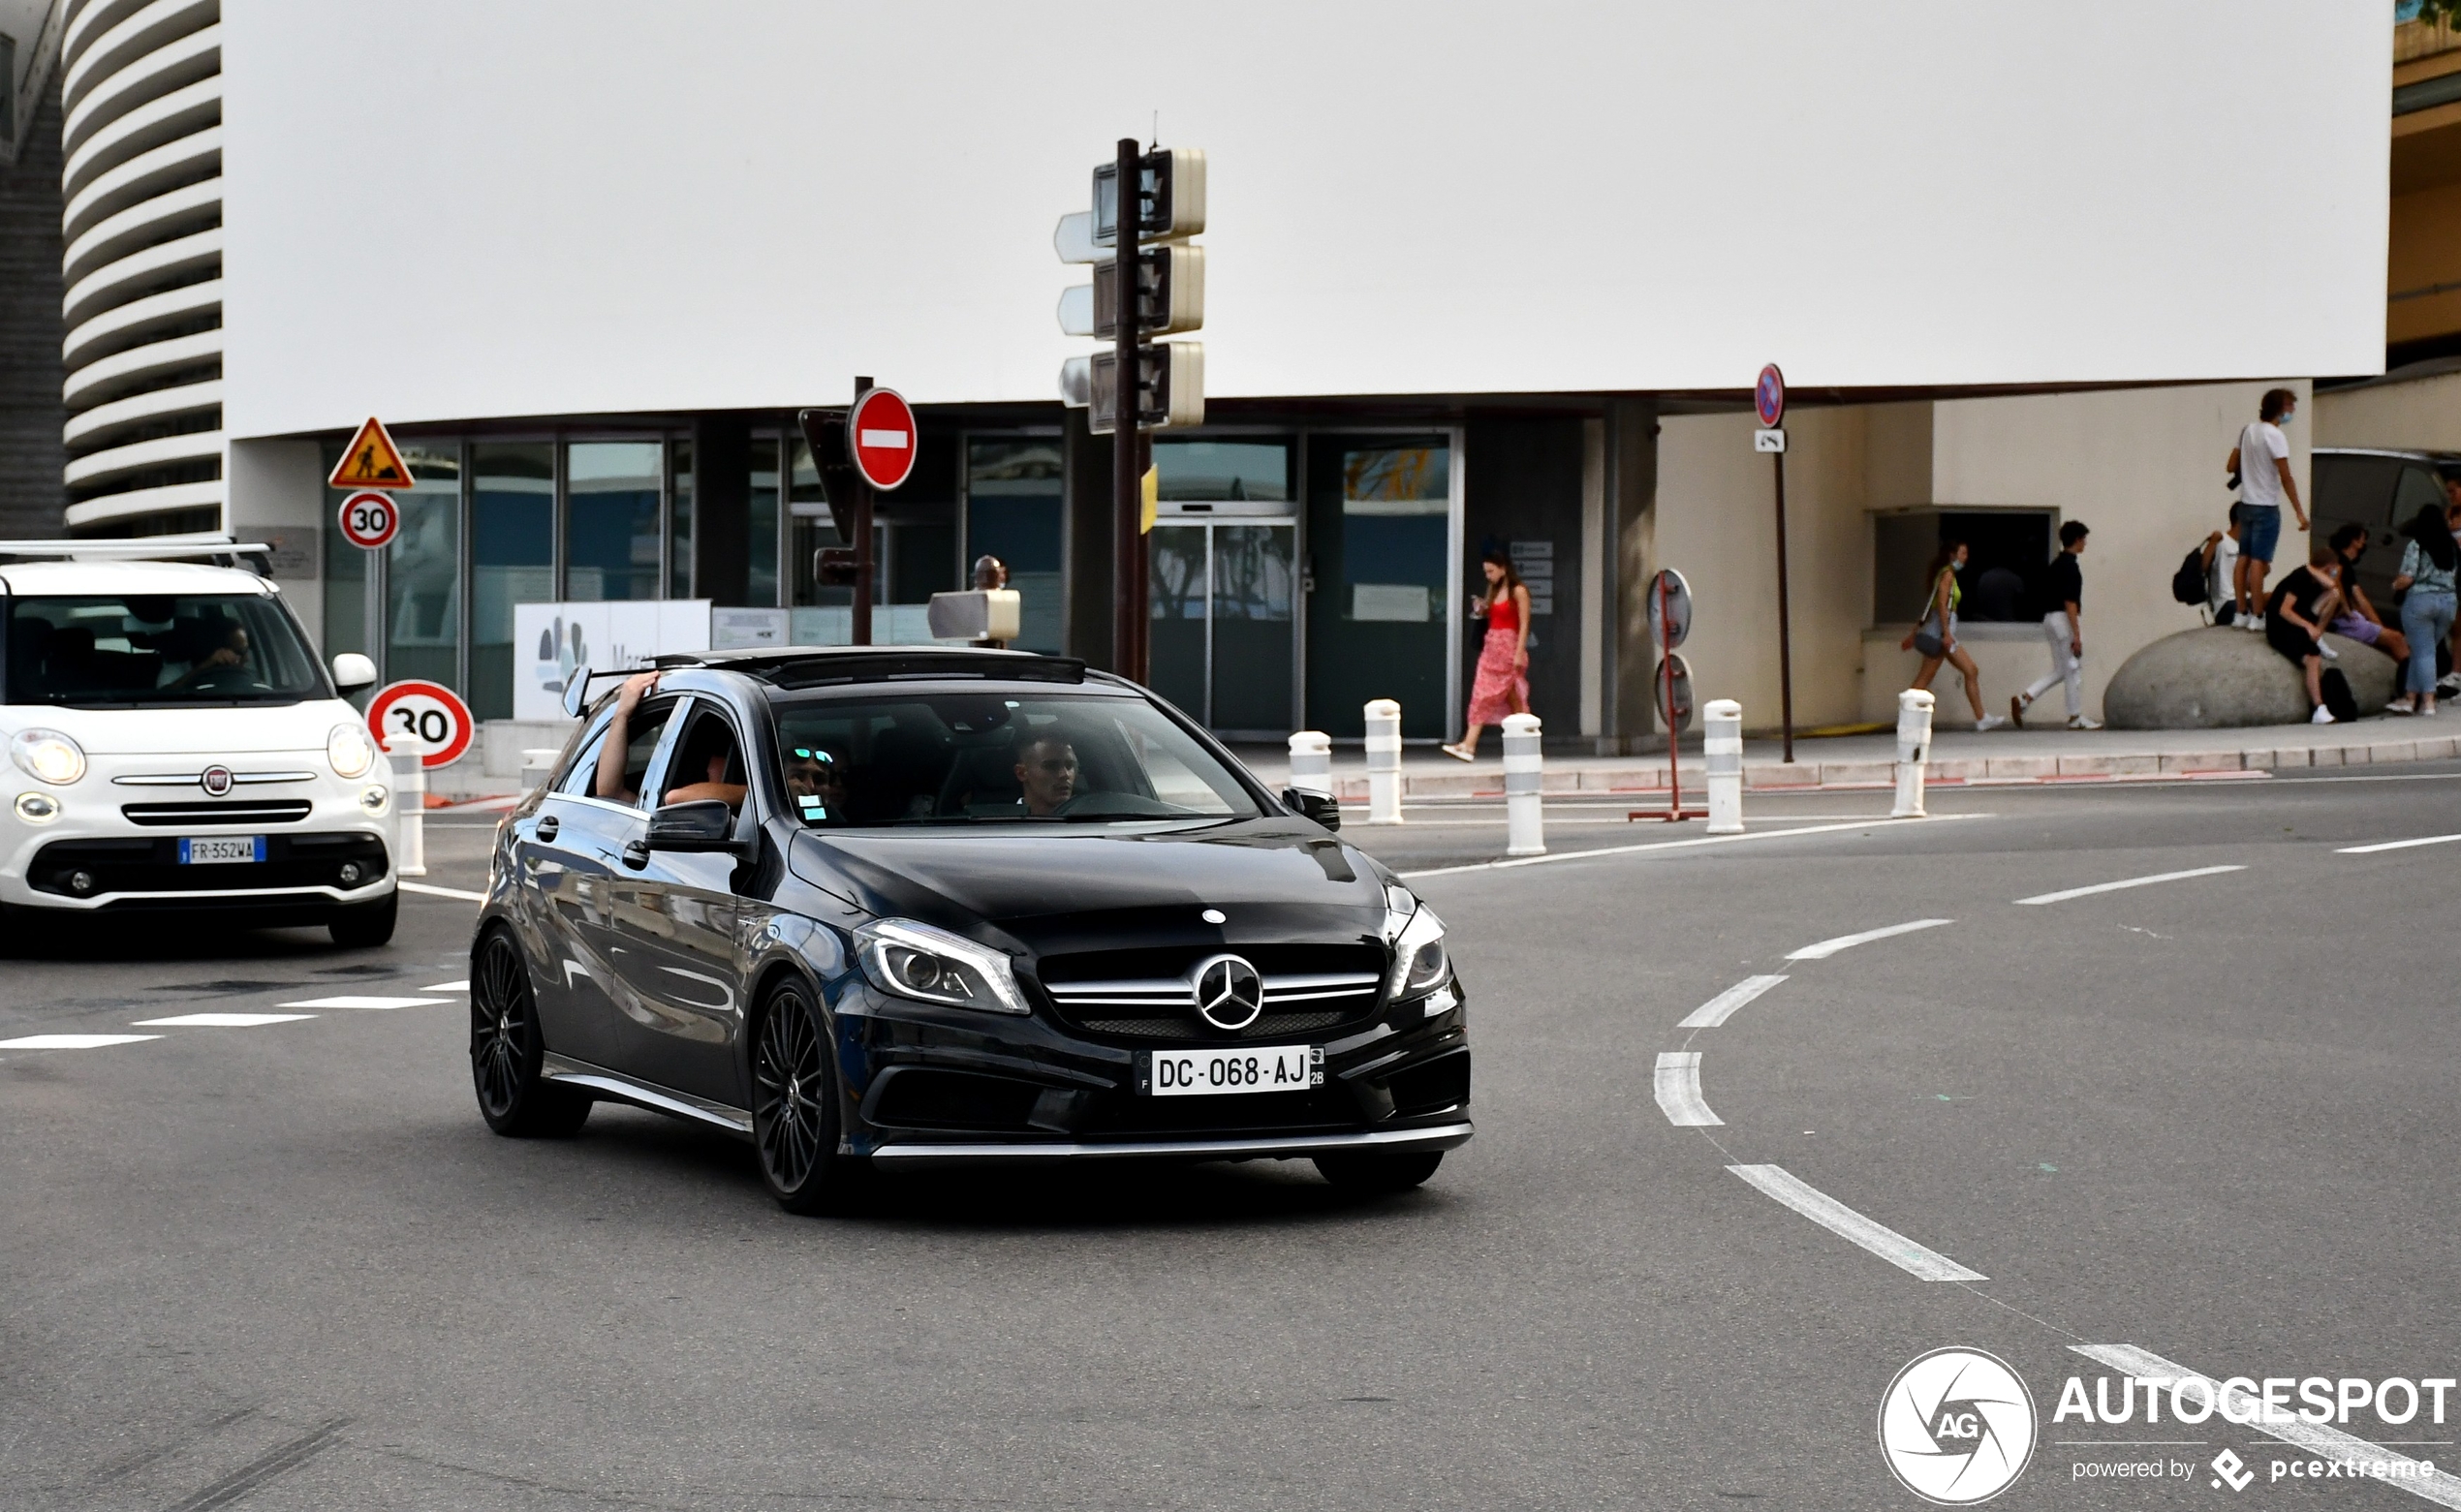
903, 907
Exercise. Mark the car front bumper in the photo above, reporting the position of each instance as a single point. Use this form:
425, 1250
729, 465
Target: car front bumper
906, 1153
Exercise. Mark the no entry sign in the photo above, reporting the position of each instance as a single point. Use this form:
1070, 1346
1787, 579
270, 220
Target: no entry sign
370, 519
429, 716
881, 433
1768, 396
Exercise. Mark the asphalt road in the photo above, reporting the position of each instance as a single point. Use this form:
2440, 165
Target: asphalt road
2211, 1118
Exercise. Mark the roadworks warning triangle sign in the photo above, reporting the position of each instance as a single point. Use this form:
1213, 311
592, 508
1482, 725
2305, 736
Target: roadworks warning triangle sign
371, 461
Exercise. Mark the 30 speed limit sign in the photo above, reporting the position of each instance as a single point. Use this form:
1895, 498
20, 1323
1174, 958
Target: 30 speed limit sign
429, 717
370, 519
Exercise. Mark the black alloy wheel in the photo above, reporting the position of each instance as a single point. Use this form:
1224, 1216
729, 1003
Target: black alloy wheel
795, 1106
505, 1049
1369, 1172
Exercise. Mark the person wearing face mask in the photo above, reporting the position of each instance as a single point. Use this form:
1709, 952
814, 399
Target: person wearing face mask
2262, 463
1935, 637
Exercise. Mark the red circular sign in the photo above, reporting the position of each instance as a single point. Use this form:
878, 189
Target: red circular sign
370, 519
1768, 396
880, 430
430, 716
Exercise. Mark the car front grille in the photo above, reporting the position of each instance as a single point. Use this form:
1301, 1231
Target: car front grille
1151, 995
239, 810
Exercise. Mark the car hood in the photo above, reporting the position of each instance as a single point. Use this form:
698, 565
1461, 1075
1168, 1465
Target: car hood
207, 732
1016, 880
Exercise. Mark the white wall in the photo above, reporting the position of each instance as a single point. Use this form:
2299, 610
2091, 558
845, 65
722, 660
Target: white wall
2423, 412
470, 208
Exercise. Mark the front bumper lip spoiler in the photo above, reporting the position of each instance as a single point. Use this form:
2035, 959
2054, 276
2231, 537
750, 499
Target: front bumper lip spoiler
1441, 1136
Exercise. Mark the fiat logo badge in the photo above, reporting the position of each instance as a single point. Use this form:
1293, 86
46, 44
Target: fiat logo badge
1230, 994
216, 781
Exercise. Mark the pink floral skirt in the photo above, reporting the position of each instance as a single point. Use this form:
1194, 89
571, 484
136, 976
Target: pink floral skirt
1493, 695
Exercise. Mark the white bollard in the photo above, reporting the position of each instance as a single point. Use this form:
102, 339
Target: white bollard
1722, 745
1524, 784
410, 808
1384, 761
1312, 762
1913, 748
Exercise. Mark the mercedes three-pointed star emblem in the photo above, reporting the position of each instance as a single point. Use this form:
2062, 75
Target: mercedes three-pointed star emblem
1230, 994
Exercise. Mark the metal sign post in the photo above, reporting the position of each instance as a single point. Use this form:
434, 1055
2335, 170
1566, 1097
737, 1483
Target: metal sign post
1768, 399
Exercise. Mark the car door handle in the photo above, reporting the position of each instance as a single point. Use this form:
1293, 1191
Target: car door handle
636, 854
547, 827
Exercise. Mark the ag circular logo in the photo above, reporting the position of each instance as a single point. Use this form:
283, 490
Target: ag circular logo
1957, 1427
215, 780
1228, 992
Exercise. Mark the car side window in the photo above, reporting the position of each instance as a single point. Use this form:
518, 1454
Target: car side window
706, 759
2418, 486
578, 777
640, 744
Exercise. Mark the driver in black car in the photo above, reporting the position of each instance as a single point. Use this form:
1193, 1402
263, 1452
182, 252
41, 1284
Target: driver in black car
1047, 769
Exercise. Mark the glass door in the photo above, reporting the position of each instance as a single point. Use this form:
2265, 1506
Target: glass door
1380, 542
1225, 623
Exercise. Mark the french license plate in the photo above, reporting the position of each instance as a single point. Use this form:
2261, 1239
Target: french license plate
1193, 1074
206, 850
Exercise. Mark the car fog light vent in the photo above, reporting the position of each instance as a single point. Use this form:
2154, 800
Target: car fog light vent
350, 873
81, 882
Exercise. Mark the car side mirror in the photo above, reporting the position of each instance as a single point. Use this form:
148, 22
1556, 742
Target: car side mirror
704, 825
1309, 804
352, 672
576, 692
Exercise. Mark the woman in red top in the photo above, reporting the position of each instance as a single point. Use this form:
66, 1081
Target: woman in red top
1503, 684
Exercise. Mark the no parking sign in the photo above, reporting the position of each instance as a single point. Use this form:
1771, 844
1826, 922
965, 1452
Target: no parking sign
429, 716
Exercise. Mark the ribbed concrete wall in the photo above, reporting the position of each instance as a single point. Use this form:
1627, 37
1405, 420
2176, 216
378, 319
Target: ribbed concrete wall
31, 411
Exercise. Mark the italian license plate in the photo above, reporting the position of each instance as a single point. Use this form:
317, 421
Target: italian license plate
206, 850
1206, 1074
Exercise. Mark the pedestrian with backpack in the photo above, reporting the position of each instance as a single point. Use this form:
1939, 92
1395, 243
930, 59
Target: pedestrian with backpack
2064, 627
2428, 604
2261, 464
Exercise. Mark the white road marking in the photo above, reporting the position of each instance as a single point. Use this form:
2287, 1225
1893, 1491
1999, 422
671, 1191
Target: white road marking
2128, 883
357, 1001
462, 986
1682, 845
1830, 947
2399, 1471
1718, 1010
1838, 1219
463, 893
1680, 1090
223, 1020
72, 1041
2398, 845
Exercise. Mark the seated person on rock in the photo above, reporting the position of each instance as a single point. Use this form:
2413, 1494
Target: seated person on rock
610, 782
2301, 605
2358, 619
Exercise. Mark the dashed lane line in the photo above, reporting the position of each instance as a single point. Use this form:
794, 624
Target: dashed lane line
1877, 822
360, 1001
72, 1041
223, 1020
1784, 1186
2398, 1470
462, 893
1680, 1090
462, 986
2398, 845
1825, 948
2125, 883
1718, 1010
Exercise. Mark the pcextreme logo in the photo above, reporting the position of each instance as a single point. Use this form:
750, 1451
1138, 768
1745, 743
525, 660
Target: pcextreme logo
1957, 1427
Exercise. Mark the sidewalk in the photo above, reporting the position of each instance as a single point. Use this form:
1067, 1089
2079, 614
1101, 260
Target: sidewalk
1957, 756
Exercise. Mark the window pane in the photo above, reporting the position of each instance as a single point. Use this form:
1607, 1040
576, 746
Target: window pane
679, 572
763, 548
810, 531
513, 560
423, 571
611, 512
1013, 497
1224, 471
345, 591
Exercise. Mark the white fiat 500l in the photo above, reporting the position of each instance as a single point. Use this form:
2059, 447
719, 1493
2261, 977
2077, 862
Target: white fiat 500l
174, 747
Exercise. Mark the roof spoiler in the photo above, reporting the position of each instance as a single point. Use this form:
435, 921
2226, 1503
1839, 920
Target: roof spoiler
225, 552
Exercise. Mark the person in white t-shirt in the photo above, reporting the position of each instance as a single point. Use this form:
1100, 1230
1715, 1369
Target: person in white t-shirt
2262, 463
2222, 571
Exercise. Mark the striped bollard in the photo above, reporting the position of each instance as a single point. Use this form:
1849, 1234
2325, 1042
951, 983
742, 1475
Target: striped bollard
1913, 747
1524, 778
410, 806
1312, 762
1722, 745
1384, 761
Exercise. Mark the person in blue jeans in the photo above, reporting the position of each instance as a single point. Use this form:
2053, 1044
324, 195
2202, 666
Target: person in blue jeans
2427, 570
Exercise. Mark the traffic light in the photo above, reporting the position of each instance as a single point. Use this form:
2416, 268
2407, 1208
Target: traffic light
1170, 197
1171, 295
824, 432
1170, 386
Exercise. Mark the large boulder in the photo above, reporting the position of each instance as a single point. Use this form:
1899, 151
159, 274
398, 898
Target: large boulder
2218, 678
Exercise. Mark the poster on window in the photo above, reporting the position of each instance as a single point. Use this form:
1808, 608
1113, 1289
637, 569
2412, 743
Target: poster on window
552, 641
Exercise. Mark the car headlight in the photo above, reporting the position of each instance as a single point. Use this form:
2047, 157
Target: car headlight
47, 755
1420, 962
350, 751
911, 959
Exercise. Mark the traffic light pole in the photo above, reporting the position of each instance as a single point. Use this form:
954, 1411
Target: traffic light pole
862, 632
1128, 619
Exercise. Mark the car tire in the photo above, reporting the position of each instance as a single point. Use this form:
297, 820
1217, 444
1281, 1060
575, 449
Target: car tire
1369, 1172
797, 1119
364, 925
506, 1049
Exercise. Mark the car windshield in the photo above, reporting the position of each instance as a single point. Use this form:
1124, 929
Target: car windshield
976, 759
156, 651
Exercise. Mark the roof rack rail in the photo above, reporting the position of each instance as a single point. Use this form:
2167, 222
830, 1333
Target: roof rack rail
139, 549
